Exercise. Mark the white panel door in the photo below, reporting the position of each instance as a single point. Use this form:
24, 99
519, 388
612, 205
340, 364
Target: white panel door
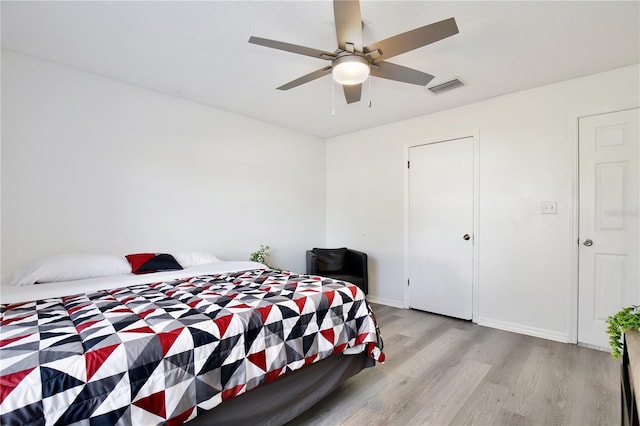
609, 226
441, 227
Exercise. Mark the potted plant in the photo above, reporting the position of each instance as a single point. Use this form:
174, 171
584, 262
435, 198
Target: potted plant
261, 255
627, 319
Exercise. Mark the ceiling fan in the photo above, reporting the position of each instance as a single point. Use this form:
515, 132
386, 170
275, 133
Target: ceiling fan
352, 63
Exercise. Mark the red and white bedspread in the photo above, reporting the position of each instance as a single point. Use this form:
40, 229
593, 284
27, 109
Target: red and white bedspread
161, 353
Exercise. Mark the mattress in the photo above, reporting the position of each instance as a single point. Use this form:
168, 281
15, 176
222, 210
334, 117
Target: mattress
162, 348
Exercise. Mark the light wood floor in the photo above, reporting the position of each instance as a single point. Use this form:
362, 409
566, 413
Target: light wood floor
443, 371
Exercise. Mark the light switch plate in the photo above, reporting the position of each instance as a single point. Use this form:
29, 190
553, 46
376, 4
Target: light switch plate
549, 207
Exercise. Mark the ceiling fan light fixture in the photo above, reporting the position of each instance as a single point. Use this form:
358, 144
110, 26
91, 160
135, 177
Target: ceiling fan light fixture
350, 69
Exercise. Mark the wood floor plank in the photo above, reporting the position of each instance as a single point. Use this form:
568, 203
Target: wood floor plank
386, 402
484, 406
587, 388
435, 354
379, 401
505, 351
442, 401
530, 386
444, 371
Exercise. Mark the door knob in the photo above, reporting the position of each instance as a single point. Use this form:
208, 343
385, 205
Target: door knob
588, 242
466, 237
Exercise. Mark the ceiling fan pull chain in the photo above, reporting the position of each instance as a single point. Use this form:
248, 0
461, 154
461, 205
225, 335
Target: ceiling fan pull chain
369, 83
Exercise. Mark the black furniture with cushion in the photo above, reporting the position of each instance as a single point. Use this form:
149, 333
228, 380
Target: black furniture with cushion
341, 264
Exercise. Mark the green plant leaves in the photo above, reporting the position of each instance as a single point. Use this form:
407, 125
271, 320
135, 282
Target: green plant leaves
261, 255
618, 324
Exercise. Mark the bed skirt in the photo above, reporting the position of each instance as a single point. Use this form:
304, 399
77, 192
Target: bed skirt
280, 401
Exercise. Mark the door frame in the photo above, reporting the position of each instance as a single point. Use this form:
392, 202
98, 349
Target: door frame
474, 134
574, 215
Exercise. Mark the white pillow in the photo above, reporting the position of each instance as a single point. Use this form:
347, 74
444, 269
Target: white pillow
189, 259
70, 267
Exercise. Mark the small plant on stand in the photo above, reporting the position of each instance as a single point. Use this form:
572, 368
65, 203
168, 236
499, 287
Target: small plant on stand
618, 324
261, 255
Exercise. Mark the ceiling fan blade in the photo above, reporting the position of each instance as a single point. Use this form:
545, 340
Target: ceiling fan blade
293, 48
348, 23
306, 78
413, 39
399, 73
352, 92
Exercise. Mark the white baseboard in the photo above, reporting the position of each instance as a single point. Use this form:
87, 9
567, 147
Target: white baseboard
523, 329
487, 322
383, 301
596, 347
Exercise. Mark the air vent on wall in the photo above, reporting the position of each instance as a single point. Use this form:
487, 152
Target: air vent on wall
446, 86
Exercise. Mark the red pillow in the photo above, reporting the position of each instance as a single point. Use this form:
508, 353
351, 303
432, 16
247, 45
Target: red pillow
144, 263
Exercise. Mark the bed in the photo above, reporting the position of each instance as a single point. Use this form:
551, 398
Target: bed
215, 343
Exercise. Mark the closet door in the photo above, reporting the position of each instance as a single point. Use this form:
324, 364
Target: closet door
441, 227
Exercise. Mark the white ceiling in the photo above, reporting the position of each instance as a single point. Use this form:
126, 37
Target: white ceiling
200, 51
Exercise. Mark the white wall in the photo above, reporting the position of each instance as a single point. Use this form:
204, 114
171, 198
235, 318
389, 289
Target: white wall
527, 154
90, 164
93, 165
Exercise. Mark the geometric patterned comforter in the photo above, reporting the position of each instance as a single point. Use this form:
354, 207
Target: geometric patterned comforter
160, 353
